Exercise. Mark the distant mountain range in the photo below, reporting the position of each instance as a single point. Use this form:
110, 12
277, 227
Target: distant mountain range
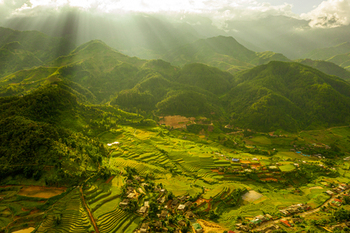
217, 78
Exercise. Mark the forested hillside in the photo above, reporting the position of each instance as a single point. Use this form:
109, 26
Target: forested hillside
288, 95
279, 95
50, 129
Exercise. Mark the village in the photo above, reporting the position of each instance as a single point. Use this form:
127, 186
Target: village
163, 212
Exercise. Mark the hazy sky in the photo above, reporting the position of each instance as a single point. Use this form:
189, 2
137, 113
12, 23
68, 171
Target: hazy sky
328, 13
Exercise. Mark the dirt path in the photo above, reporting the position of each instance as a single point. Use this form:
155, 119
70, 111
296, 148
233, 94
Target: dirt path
109, 179
88, 210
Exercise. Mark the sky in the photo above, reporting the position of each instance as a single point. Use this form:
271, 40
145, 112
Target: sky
328, 13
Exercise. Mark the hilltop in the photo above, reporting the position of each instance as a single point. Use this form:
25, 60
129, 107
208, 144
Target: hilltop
326, 53
327, 67
289, 96
25, 49
222, 52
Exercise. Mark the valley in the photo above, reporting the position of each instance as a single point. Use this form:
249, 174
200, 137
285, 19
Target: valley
215, 138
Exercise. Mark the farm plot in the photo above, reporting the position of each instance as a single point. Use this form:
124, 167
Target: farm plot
117, 220
67, 215
39, 191
142, 168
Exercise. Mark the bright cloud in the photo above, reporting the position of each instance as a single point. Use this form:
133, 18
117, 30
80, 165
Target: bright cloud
212, 7
330, 13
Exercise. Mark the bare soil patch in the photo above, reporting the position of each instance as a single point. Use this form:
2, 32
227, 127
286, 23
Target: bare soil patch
210, 227
317, 187
40, 191
27, 230
269, 179
251, 196
109, 179
177, 121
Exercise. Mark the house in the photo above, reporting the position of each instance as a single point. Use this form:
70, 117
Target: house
131, 195
182, 223
284, 212
329, 192
163, 214
337, 202
286, 223
124, 203
146, 203
158, 225
129, 190
188, 204
143, 210
144, 227
175, 203
181, 207
183, 198
297, 220
235, 160
190, 215
256, 221
262, 218
161, 200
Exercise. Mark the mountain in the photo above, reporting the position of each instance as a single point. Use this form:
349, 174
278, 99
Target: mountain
326, 53
290, 96
342, 60
267, 56
25, 49
282, 95
93, 67
222, 52
49, 128
327, 67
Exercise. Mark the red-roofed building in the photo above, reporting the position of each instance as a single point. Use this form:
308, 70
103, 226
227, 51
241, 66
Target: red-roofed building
286, 223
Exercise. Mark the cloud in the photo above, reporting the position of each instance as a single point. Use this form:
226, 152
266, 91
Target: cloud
329, 14
217, 10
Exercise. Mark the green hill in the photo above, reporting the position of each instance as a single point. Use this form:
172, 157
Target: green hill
267, 56
206, 77
50, 128
222, 52
342, 60
326, 53
290, 96
25, 49
327, 67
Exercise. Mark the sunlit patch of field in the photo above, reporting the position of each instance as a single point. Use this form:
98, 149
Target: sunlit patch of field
179, 185
27, 230
40, 191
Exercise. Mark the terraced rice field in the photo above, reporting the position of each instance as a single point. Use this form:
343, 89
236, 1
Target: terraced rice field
117, 220
71, 213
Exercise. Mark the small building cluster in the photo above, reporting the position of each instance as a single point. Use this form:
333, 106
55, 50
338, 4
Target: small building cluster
294, 209
260, 219
157, 206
